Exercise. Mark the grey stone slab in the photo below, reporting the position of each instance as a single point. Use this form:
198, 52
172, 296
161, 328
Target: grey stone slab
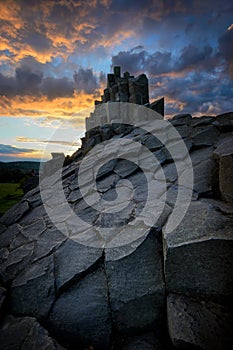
172, 193
33, 291
25, 333
183, 130
224, 122
170, 172
205, 170
121, 217
35, 201
199, 324
33, 215
224, 156
7, 236
86, 212
198, 254
106, 168
19, 240
108, 182
204, 136
136, 287
106, 132
72, 260
74, 196
225, 178
124, 168
16, 261
180, 149
120, 128
15, 213
181, 119
224, 147
48, 242
161, 155
35, 229
81, 315
151, 142
200, 121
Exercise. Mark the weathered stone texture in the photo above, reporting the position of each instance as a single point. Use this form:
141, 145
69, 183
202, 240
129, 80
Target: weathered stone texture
131, 296
25, 333
224, 156
198, 255
199, 324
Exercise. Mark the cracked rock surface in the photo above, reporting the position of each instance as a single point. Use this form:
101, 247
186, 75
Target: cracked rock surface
159, 290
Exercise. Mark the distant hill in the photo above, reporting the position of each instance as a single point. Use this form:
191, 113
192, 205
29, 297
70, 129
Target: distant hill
24, 166
16, 171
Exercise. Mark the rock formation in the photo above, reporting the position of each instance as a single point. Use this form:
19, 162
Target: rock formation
163, 291
123, 89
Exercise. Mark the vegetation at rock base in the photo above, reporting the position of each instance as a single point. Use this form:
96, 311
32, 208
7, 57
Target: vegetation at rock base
10, 194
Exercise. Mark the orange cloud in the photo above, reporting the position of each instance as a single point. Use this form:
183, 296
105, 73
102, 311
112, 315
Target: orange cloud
35, 154
10, 13
73, 109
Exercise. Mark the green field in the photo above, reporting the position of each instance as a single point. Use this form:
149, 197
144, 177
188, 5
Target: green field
10, 193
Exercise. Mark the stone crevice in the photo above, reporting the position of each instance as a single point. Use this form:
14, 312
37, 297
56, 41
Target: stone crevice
112, 335
77, 278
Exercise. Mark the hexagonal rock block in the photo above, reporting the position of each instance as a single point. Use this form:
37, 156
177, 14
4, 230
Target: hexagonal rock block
181, 119
136, 286
33, 291
224, 122
15, 213
204, 120
199, 324
203, 136
224, 155
81, 315
25, 333
198, 254
204, 170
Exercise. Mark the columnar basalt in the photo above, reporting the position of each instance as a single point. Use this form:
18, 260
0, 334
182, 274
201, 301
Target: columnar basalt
123, 89
164, 290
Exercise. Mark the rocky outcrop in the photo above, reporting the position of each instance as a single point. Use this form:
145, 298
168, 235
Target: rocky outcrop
162, 290
134, 90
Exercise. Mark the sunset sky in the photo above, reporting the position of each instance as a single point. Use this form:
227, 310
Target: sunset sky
54, 57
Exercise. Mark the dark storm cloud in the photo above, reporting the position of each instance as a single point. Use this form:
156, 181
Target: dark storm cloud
138, 61
33, 83
159, 63
225, 45
57, 87
37, 40
187, 55
156, 63
85, 80
193, 81
197, 92
132, 61
26, 81
226, 49
192, 56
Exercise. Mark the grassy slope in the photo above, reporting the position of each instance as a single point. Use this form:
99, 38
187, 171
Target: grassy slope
10, 194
